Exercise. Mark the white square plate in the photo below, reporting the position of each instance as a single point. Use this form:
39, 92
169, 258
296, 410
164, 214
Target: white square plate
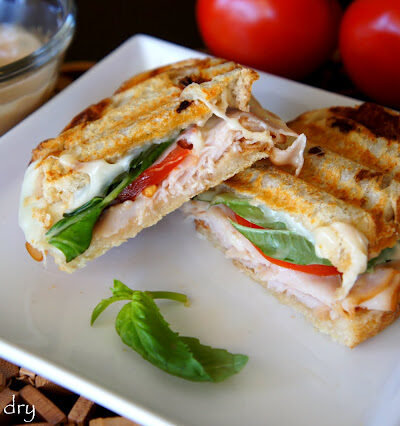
295, 376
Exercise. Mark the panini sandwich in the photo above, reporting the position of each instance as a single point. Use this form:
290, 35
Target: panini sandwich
165, 136
325, 241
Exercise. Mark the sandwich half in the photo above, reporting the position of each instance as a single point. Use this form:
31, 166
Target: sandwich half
165, 136
325, 241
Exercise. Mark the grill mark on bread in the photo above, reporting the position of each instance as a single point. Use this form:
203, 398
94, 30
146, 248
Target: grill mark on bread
379, 120
91, 113
137, 79
316, 150
371, 182
186, 81
343, 124
366, 174
118, 123
183, 105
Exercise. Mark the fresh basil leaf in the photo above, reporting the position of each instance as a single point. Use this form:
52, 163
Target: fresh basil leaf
206, 196
121, 289
73, 234
283, 245
218, 363
385, 255
122, 292
142, 327
103, 305
76, 232
243, 208
170, 295
91, 203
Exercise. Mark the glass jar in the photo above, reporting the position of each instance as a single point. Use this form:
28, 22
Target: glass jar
29, 81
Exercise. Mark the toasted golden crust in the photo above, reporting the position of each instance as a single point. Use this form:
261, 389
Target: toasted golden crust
111, 128
313, 207
350, 174
346, 330
151, 107
368, 134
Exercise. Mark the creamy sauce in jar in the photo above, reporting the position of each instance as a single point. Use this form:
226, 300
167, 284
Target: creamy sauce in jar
22, 94
16, 43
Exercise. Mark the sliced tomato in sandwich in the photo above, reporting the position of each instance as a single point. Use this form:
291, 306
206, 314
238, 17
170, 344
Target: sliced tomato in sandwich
321, 270
155, 174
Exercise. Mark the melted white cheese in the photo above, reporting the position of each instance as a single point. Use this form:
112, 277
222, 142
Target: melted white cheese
100, 172
291, 223
346, 248
29, 201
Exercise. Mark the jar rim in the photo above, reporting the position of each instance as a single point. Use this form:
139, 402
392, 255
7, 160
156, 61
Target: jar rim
58, 42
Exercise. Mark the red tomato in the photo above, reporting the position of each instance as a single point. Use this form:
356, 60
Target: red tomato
321, 270
242, 221
284, 37
154, 175
370, 47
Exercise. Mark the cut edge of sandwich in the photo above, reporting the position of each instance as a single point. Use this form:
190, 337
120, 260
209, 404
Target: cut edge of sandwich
224, 102
349, 321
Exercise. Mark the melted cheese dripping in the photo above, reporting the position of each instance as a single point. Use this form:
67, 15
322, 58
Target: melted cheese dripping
346, 248
100, 172
30, 201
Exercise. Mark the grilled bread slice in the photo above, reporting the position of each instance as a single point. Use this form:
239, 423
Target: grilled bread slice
344, 186
198, 105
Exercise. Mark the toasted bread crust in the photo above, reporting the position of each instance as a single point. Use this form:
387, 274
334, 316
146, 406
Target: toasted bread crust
153, 109
354, 133
281, 190
350, 174
346, 330
111, 128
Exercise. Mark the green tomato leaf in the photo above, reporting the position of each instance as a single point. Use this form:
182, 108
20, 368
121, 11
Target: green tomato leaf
73, 234
283, 245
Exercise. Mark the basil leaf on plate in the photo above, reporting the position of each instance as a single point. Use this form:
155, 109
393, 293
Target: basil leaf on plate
218, 363
283, 245
73, 234
142, 327
120, 289
104, 304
